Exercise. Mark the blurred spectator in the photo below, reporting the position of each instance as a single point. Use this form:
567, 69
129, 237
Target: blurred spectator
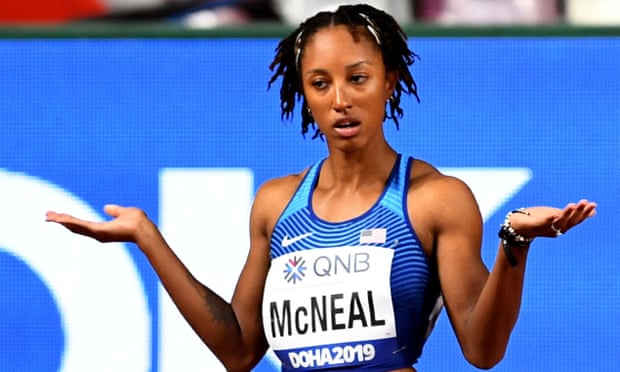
194, 13
593, 12
229, 13
49, 11
481, 12
294, 12
214, 13
203, 13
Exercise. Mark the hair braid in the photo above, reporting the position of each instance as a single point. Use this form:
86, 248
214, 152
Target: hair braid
377, 24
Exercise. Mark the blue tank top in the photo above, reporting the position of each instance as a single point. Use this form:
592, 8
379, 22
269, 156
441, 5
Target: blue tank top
352, 295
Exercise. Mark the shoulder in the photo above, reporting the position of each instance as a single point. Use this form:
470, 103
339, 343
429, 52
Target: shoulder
271, 199
426, 179
281, 189
437, 202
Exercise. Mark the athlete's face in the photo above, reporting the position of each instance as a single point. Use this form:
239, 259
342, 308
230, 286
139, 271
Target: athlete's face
346, 85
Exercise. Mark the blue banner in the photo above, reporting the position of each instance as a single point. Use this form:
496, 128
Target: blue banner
187, 130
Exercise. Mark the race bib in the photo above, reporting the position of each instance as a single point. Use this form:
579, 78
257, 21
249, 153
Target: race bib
329, 306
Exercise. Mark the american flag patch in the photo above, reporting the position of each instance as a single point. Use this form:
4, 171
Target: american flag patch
370, 236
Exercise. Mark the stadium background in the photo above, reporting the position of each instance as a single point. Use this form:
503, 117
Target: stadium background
180, 122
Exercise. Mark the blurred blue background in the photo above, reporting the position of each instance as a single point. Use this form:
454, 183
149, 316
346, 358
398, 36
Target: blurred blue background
99, 119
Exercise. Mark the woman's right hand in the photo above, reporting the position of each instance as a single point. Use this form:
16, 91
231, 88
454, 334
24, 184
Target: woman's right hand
128, 224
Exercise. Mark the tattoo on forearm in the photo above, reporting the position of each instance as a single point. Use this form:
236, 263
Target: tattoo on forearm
220, 310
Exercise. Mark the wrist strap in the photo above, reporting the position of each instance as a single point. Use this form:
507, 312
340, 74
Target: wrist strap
510, 238
512, 260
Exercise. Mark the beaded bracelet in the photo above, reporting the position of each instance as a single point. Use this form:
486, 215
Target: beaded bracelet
510, 237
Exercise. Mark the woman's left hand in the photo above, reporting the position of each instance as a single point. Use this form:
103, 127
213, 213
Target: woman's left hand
551, 222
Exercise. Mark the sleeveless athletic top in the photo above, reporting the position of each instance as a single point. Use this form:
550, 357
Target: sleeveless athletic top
352, 295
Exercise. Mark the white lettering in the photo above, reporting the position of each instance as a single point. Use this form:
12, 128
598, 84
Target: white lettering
332, 356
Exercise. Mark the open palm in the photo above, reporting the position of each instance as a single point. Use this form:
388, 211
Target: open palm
539, 220
124, 227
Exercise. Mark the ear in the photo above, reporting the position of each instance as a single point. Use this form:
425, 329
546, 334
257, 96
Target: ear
391, 78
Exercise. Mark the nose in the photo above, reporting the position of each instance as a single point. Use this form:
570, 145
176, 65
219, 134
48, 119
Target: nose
341, 98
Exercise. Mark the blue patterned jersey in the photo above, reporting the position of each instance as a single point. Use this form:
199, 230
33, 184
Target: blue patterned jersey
358, 294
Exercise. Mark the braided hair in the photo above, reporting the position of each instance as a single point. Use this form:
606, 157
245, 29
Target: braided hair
375, 24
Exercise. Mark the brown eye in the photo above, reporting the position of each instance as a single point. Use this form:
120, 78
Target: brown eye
319, 84
359, 78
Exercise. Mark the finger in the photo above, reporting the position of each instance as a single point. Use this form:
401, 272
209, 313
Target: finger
73, 224
51, 216
80, 227
569, 216
577, 213
583, 210
113, 210
590, 209
584, 213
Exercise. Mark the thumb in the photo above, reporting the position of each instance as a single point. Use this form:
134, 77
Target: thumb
113, 210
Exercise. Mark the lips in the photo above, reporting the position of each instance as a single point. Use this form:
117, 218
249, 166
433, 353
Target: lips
347, 127
346, 123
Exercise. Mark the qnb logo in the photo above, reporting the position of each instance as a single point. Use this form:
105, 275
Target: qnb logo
341, 264
294, 269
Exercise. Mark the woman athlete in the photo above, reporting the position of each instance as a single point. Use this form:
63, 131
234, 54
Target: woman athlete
351, 259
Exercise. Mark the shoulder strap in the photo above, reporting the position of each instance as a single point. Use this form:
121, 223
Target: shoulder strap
395, 196
302, 196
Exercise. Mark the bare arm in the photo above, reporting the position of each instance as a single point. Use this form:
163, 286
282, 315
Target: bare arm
483, 306
233, 331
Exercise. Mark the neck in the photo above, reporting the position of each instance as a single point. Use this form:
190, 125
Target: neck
355, 170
